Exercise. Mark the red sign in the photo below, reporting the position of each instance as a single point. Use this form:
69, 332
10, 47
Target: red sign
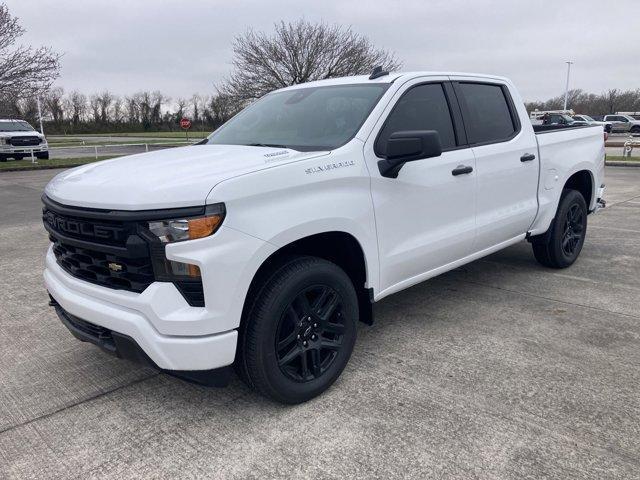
185, 123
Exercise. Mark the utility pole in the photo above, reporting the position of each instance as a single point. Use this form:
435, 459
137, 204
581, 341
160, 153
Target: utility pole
39, 114
566, 89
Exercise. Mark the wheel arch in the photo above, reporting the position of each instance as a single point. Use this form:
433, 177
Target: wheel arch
338, 247
583, 182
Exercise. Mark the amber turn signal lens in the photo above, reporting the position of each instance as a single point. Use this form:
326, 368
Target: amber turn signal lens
203, 227
194, 271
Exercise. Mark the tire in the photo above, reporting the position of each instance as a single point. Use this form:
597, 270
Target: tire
43, 155
299, 333
635, 129
18, 157
3, 158
562, 244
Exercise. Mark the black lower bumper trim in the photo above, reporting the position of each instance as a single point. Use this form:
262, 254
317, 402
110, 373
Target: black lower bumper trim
125, 347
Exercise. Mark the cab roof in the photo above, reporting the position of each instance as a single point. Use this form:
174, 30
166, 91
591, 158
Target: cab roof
390, 78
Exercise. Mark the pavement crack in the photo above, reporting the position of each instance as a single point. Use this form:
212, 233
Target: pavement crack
75, 404
564, 302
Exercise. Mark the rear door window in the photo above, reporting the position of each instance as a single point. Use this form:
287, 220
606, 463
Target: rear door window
487, 114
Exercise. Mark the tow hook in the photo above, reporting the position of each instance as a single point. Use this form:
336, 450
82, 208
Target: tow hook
601, 203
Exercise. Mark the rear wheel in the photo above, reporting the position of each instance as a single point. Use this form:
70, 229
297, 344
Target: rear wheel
18, 157
300, 332
561, 246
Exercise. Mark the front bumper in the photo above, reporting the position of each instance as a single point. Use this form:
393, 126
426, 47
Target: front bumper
128, 317
126, 347
11, 150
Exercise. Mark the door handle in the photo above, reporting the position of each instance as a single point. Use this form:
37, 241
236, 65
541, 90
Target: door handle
461, 170
527, 157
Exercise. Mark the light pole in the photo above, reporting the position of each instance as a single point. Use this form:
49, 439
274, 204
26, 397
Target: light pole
566, 89
39, 113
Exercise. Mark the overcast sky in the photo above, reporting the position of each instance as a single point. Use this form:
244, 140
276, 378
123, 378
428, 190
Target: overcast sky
184, 46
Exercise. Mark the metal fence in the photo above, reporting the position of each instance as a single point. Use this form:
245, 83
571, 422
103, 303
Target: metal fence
106, 150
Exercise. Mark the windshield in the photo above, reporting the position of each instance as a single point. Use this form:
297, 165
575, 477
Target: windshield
306, 119
587, 118
15, 126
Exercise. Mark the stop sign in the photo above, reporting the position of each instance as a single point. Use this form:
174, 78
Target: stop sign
185, 123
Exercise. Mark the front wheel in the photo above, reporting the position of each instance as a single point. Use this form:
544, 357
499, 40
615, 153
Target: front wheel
43, 155
561, 246
300, 332
635, 130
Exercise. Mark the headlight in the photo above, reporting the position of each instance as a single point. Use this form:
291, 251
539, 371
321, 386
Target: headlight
180, 229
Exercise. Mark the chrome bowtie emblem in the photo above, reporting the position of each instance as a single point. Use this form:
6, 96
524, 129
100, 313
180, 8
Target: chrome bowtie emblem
115, 267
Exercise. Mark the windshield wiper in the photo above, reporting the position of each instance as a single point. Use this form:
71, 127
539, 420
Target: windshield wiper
272, 145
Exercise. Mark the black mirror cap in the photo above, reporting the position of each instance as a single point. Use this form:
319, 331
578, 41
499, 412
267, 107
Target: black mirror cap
408, 146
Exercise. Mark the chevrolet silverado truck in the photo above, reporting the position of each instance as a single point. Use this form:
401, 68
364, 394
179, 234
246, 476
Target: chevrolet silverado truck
18, 140
263, 246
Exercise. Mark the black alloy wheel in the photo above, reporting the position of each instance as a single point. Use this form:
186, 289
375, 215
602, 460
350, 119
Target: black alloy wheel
310, 333
573, 230
298, 333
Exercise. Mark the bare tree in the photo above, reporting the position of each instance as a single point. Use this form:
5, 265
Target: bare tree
53, 104
196, 107
104, 100
24, 70
181, 106
117, 112
76, 105
221, 108
132, 109
94, 107
299, 52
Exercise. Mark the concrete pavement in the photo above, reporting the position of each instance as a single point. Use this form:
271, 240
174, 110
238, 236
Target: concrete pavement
500, 369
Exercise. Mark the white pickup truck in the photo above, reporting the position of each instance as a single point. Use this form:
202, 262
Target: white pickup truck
263, 246
18, 140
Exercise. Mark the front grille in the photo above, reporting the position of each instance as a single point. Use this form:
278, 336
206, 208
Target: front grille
105, 269
98, 231
99, 250
114, 248
26, 141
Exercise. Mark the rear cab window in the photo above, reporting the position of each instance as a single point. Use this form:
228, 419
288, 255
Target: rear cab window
488, 112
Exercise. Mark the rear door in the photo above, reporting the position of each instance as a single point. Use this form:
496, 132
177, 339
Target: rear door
619, 123
425, 218
506, 161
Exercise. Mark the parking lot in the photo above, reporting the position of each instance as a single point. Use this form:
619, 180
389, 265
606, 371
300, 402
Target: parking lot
500, 369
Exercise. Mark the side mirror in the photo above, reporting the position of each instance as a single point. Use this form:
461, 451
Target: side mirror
407, 146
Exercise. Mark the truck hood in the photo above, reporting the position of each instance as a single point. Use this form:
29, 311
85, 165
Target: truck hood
175, 177
32, 133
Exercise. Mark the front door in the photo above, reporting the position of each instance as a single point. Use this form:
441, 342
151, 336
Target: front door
425, 218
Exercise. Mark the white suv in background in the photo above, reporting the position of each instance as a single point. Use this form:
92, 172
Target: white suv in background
18, 140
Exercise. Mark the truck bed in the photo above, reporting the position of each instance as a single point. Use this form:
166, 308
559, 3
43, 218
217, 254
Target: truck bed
561, 152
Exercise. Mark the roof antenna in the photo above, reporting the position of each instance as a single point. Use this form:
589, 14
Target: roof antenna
378, 72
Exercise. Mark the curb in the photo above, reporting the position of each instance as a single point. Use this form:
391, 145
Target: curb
618, 163
40, 167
